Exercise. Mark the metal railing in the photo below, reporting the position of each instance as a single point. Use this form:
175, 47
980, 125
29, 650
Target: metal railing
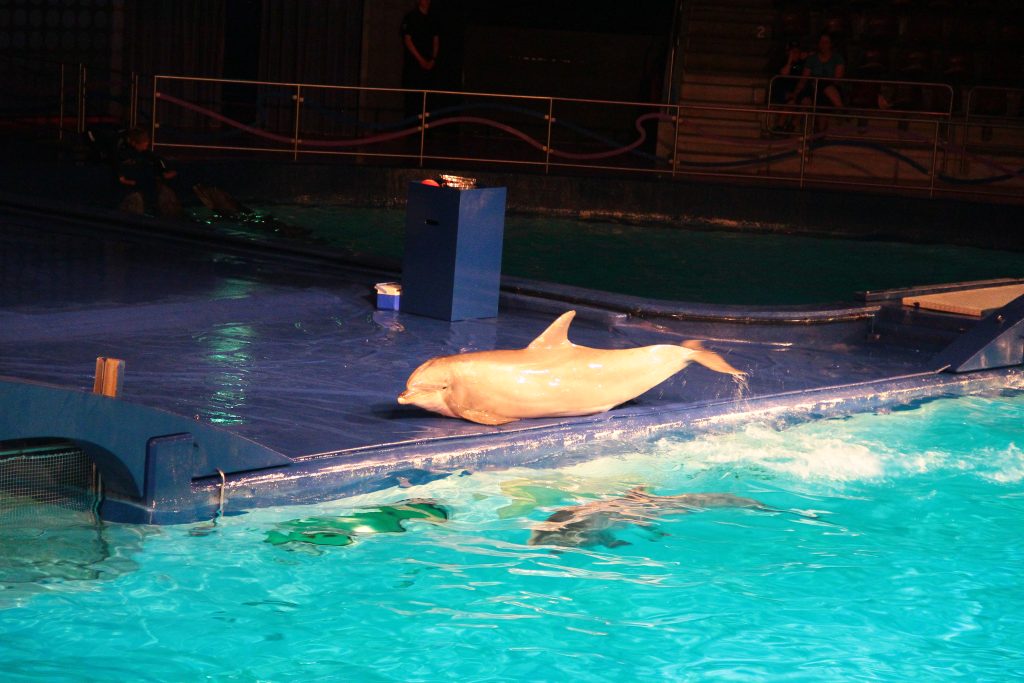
920, 151
533, 124
910, 89
66, 97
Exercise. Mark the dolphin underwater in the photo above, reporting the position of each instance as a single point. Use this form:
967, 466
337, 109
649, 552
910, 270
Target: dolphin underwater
552, 377
591, 524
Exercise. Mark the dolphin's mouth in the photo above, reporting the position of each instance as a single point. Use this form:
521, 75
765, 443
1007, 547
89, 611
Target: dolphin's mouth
406, 396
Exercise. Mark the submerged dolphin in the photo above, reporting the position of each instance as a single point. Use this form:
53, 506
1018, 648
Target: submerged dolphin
591, 524
552, 377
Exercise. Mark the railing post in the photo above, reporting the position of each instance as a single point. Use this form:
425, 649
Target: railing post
133, 101
678, 119
298, 113
423, 126
547, 147
153, 125
814, 106
935, 159
60, 115
82, 75
803, 148
966, 131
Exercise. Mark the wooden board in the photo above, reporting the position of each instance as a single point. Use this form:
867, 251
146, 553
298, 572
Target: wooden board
972, 302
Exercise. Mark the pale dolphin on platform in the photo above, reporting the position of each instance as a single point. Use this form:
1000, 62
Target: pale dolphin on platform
552, 377
591, 524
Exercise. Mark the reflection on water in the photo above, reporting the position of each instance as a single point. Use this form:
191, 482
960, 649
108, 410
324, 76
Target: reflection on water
46, 547
230, 362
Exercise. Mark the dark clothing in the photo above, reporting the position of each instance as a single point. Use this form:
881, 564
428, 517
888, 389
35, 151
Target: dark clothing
824, 71
820, 69
421, 28
144, 168
150, 190
784, 85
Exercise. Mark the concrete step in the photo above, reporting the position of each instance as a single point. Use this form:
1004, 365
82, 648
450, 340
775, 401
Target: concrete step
733, 46
728, 63
738, 5
738, 28
692, 90
725, 14
707, 78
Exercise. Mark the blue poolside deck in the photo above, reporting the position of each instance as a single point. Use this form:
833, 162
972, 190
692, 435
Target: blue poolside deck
283, 352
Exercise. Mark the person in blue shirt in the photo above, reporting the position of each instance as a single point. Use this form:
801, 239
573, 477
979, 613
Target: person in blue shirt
828, 66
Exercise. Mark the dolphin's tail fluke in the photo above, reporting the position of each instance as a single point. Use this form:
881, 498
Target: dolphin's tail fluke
711, 360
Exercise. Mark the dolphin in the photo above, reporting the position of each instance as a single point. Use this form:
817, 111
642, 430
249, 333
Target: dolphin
552, 377
591, 524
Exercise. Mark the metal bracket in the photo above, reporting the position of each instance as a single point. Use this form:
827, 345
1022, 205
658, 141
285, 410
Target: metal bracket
997, 341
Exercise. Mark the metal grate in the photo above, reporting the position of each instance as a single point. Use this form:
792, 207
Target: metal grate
55, 475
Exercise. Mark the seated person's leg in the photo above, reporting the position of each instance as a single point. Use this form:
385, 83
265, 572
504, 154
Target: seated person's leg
133, 203
167, 202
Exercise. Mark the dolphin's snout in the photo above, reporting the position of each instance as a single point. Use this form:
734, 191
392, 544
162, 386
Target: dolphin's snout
405, 397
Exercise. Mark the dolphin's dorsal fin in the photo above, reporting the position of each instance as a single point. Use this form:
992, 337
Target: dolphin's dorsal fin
556, 335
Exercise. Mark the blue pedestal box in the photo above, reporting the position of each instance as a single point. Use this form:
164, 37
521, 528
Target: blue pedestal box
453, 240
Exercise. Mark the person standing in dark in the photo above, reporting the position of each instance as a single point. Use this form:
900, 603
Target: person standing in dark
421, 43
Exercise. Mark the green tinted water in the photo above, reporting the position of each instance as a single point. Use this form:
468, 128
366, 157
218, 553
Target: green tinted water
683, 265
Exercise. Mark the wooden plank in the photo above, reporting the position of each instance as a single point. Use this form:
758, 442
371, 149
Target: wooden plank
972, 302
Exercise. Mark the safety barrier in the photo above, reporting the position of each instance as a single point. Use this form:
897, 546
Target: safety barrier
926, 148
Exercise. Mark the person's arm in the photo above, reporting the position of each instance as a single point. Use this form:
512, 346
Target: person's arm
122, 176
840, 70
790, 61
411, 47
802, 83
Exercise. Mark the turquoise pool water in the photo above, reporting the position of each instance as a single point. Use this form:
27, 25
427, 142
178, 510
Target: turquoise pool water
892, 550
684, 265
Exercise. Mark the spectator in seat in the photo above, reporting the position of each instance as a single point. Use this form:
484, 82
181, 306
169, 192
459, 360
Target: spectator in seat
827, 66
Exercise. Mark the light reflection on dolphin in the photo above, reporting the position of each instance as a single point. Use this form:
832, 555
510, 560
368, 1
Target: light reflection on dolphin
591, 524
552, 377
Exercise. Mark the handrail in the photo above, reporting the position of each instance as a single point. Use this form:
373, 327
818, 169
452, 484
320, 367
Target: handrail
554, 132
360, 88
969, 109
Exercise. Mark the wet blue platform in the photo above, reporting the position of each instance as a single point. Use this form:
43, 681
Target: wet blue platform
277, 355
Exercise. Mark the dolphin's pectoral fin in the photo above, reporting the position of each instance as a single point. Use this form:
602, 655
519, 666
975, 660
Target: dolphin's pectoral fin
485, 418
556, 335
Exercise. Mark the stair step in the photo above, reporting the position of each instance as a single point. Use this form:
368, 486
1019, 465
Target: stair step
728, 63
722, 94
750, 15
697, 5
750, 30
734, 46
737, 80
